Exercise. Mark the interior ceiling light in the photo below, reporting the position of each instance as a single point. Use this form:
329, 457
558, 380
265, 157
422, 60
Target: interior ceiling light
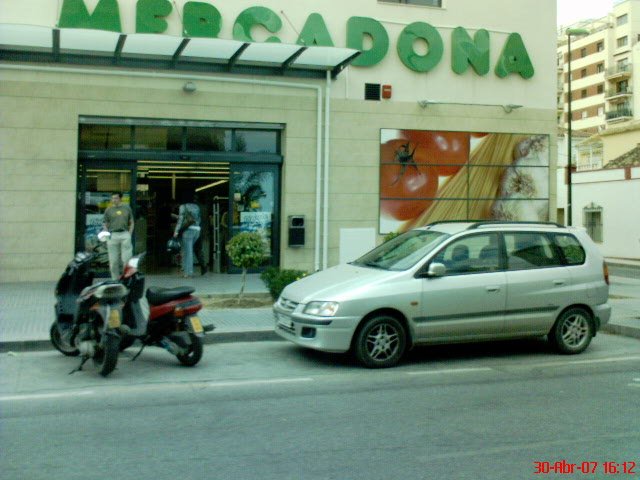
186, 177
211, 185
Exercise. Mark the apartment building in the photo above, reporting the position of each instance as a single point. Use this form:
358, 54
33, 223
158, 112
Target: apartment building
602, 70
605, 63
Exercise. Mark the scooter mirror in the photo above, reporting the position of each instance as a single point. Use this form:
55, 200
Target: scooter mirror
134, 262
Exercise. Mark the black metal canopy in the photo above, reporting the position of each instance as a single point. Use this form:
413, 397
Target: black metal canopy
77, 46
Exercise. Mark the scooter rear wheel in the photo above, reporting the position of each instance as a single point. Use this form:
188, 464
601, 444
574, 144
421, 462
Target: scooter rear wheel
54, 336
194, 354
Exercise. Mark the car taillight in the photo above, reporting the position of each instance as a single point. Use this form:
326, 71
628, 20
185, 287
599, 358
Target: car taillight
605, 272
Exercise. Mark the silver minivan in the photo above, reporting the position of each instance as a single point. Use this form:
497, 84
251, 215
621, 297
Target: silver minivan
453, 282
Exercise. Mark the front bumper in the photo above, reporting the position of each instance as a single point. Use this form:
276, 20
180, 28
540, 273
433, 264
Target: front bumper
328, 334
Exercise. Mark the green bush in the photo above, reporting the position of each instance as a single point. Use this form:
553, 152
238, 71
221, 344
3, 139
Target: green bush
276, 279
246, 250
390, 236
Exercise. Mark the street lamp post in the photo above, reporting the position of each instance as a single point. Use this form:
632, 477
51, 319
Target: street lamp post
570, 32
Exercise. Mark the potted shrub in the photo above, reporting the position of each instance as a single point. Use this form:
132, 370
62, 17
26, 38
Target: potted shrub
246, 250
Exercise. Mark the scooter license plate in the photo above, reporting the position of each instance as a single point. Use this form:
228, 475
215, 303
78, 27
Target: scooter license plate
114, 319
196, 325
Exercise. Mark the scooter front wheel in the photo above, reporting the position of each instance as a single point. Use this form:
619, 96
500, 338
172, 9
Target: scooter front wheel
194, 352
106, 357
56, 340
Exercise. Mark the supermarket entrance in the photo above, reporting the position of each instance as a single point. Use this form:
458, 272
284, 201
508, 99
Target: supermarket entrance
237, 191
161, 188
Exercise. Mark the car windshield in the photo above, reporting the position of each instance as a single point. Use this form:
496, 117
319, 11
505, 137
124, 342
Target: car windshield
402, 252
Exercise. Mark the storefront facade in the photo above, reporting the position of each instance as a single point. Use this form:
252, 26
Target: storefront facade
467, 130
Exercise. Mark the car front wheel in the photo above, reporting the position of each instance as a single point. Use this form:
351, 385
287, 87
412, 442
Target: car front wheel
381, 342
572, 332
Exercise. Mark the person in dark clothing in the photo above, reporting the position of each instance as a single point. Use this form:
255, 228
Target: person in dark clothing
197, 246
187, 229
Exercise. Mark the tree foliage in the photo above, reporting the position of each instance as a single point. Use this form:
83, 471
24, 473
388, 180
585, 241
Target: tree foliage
246, 250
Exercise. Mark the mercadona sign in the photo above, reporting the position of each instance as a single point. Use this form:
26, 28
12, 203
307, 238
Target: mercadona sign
200, 19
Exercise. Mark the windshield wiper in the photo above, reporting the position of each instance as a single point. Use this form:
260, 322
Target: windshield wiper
373, 265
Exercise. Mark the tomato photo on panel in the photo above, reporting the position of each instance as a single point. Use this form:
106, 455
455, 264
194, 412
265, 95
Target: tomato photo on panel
406, 186
448, 150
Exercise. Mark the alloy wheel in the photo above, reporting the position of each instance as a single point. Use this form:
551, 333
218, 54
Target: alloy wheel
575, 330
382, 342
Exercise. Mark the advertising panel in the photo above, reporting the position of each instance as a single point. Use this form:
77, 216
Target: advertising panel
428, 176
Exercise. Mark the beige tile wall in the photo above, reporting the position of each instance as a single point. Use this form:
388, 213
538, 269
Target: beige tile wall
38, 152
355, 145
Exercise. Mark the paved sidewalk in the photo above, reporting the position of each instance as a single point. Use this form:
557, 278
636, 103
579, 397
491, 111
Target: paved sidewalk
26, 310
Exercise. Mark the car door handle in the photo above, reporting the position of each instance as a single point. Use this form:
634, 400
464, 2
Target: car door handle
493, 288
558, 282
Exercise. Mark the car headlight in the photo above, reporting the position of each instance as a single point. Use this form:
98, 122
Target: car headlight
321, 309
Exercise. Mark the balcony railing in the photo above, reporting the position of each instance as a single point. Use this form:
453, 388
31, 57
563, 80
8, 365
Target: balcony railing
621, 70
619, 93
594, 164
620, 114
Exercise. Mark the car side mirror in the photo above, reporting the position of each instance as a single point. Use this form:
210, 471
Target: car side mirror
436, 270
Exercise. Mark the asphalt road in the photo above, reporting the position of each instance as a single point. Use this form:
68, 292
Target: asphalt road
272, 411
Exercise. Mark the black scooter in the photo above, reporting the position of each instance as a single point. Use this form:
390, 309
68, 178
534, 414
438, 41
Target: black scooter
88, 317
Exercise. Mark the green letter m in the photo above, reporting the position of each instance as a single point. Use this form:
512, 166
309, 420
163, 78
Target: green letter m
106, 16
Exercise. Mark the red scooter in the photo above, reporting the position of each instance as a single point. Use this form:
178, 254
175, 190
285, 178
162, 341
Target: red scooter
171, 321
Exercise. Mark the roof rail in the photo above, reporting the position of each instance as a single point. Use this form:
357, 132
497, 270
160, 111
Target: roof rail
485, 223
439, 222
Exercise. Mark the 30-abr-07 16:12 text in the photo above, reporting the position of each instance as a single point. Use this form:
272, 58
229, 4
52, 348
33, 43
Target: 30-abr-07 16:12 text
586, 468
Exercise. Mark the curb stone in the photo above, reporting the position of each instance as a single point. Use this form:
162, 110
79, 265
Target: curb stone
622, 330
209, 339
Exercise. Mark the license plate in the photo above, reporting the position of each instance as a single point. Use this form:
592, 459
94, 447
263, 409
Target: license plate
114, 319
284, 320
196, 325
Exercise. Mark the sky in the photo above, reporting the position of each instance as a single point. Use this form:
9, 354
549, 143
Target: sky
570, 11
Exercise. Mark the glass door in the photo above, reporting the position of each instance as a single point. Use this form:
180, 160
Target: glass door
97, 181
253, 206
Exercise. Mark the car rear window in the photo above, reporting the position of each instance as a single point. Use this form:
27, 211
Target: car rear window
571, 249
527, 250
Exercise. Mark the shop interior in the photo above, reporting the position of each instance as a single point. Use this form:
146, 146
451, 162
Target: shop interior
158, 165
160, 188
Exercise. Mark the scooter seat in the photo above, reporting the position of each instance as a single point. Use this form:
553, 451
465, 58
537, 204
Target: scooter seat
160, 295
